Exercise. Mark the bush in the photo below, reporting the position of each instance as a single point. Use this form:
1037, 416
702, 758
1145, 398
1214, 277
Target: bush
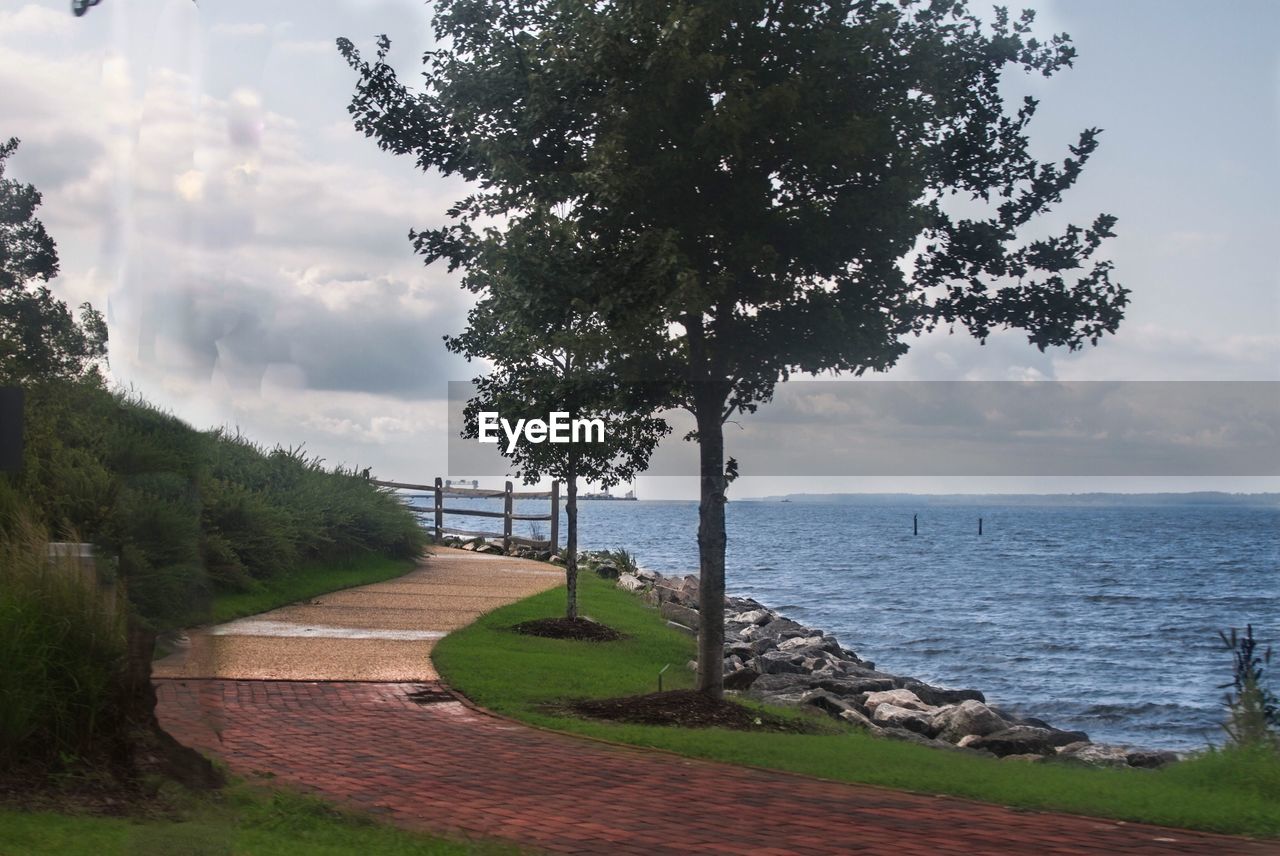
1253, 711
64, 648
188, 513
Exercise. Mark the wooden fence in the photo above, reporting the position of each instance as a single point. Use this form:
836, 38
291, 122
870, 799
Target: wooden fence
439, 491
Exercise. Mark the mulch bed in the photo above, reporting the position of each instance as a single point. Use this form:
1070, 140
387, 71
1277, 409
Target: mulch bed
688, 709
580, 629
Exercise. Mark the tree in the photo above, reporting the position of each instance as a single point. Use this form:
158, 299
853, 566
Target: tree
39, 337
547, 356
780, 186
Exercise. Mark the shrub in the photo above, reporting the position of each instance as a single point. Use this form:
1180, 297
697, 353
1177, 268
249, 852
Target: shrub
64, 648
1253, 711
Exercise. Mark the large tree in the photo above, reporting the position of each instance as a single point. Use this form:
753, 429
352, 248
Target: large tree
777, 186
546, 354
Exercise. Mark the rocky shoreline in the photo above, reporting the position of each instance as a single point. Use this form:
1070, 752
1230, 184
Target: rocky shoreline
773, 659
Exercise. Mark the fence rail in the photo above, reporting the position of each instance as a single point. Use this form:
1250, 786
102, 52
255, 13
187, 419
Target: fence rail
508, 495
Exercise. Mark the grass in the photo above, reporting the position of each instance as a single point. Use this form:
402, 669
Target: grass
525, 677
307, 581
241, 820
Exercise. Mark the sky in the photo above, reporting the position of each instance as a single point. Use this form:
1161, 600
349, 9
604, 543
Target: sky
208, 192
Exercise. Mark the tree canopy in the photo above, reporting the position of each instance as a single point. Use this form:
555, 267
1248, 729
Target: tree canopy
40, 339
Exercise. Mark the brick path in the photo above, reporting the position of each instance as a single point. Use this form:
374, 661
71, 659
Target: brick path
445, 767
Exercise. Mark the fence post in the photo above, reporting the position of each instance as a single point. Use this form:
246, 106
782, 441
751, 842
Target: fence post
439, 511
555, 515
506, 521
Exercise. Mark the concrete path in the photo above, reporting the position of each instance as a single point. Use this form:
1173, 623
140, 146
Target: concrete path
379, 632
402, 746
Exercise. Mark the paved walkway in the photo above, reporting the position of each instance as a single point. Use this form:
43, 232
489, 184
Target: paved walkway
379, 632
416, 755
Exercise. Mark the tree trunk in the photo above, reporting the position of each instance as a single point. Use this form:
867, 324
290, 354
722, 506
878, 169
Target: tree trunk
571, 542
708, 409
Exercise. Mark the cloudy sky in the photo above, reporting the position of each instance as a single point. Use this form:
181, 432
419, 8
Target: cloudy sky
207, 191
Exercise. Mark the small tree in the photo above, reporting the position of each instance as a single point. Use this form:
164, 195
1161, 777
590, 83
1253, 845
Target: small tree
39, 337
1253, 711
767, 184
546, 356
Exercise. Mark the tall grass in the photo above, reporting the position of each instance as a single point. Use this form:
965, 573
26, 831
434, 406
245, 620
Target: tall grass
63, 640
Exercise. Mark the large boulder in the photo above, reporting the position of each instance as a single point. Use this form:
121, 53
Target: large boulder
1150, 759
827, 703
631, 583
680, 614
1026, 739
779, 663
1094, 754
900, 698
810, 644
844, 686
888, 715
754, 616
741, 679
968, 717
938, 696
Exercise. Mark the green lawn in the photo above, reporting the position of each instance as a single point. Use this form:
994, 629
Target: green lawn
307, 581
517, 675
238, 821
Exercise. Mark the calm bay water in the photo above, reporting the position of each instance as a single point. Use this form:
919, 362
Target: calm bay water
1102, 619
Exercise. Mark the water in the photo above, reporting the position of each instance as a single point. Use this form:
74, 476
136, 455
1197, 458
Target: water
1098, 619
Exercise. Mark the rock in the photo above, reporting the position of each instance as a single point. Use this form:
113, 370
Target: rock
631, 583
806, 644
899, 698
673, 611
906, 736
608, 571
966, 718
755, 616
827, 703
557, 560
1027, 739
967, 741
741, 679
937, 695
739, 649
759, 646
1151, 759
692, 666
470, 545
648, 576
1094, 754
855, 718
780, 629
782, 683
855, 686
779, 662
490, 549
733, 664
889, 715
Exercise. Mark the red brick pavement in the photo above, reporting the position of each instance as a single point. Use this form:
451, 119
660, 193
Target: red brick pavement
448, 768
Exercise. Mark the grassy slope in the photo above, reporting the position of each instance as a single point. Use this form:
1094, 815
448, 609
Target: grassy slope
513, 674
307, 581
243, 821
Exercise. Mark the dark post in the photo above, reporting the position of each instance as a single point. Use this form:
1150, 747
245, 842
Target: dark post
979, 525
555, 515
439, 511
506, 520
11, 429
915, 524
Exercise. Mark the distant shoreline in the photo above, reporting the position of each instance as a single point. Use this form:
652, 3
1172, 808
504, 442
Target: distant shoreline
1074, 500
